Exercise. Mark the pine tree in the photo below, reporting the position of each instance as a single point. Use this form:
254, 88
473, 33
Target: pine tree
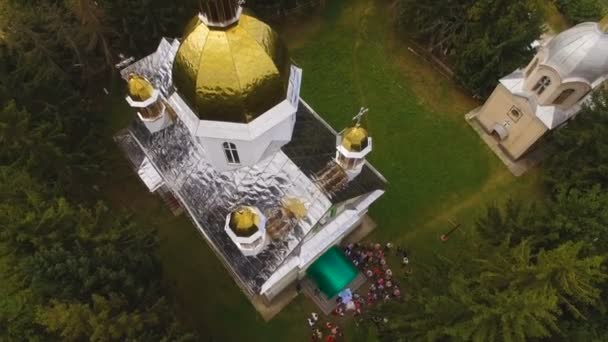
574, 279
582, 160
482, 39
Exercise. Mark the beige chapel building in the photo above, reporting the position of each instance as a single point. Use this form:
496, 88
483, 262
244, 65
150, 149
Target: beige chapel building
549, 91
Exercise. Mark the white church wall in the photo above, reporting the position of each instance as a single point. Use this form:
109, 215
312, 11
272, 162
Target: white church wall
319, 242
158, 123
250, 151
333, 232
184, 113
272, 129
281, 279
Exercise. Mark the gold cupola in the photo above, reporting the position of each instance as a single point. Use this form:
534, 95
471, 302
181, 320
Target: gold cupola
353, 144
233, 73
147, 100
244, 221
355, 138
246, 227
139, 88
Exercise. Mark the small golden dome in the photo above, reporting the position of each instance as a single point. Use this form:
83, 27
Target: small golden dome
140, 89
244, 221
232, 74
295, 207
355, 138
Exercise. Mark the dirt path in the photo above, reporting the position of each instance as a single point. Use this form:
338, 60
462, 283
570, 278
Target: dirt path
499, 179
361, 36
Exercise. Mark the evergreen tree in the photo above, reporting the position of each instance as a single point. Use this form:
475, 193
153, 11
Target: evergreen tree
502, 293
578, 11
581, 160
517, 221
580, 215
483, 39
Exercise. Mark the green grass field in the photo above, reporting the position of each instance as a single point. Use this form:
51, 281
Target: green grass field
437, 167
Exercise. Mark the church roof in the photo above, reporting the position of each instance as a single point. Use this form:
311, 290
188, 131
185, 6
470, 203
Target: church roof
551, 116
209, 196
579, 52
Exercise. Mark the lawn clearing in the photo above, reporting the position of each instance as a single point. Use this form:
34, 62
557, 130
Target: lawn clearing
437, 167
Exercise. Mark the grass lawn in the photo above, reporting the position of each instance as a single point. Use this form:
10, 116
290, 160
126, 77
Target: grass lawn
437, 167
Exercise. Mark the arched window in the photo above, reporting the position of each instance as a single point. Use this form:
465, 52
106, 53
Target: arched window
532, 67
563, 96
542, 84
232, 155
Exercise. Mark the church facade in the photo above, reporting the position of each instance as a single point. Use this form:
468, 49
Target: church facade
221, 133
549, 91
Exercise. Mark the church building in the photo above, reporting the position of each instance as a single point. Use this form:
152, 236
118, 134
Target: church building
220, 132
549, 91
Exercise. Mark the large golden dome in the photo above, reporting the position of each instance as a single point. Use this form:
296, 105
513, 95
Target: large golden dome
231, 74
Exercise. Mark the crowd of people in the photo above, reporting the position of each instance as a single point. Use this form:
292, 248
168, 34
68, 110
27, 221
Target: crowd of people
371, 259
329, 330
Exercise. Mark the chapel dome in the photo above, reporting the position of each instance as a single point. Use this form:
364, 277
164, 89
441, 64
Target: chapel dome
233, 73
355, 138
579, 52
244, 221
139, 88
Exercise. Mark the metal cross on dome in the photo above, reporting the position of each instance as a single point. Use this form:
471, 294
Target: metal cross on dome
359, 116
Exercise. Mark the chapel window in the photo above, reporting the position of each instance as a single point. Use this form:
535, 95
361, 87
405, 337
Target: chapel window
514, 113
563, 96
542, 84
232, 155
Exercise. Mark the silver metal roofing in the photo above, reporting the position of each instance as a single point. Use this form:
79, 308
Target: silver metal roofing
579, 52
209, 196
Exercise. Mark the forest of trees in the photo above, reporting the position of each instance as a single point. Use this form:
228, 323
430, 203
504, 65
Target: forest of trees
579, 11
533, 271
71, 269
483, 40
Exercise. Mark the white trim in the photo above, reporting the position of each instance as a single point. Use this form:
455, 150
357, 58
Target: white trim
246, 131
354, 154
143, 104
149, 176
318, 244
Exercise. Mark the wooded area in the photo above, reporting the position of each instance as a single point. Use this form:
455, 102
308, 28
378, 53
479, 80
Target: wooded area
70, 268
484, 40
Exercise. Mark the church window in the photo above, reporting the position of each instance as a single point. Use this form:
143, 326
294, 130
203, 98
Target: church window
532, 67
232, 155
563, 96
514, 113
542, 84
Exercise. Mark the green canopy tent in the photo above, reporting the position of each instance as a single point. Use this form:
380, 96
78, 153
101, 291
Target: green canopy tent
332, 272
